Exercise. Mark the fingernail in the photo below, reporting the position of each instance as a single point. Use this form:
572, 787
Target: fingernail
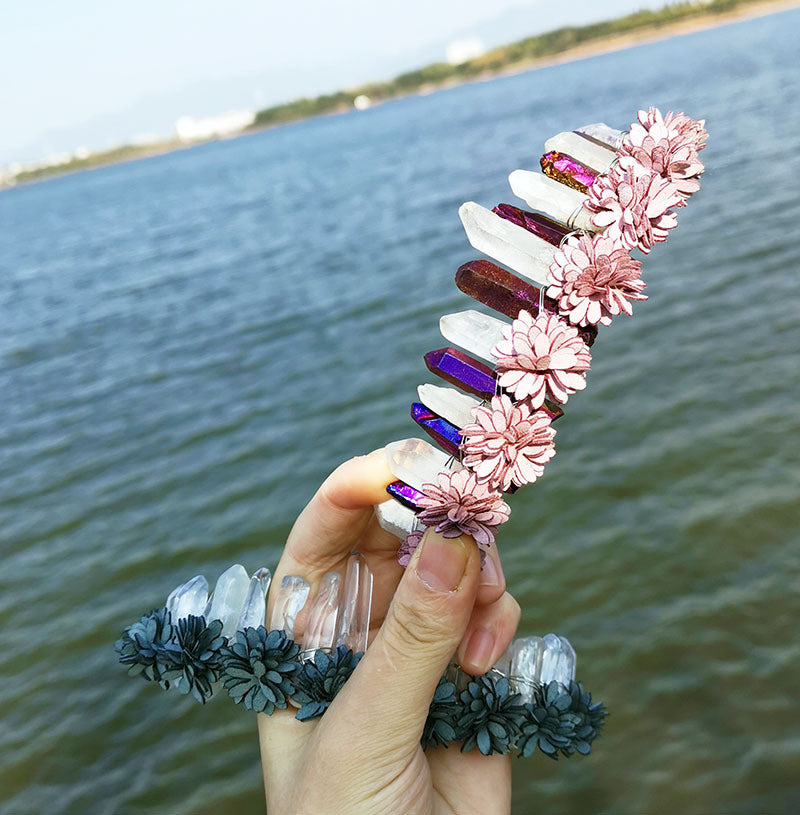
479, 648
443, 561
489, 573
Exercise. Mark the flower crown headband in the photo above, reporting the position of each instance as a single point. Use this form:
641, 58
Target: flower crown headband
603, 193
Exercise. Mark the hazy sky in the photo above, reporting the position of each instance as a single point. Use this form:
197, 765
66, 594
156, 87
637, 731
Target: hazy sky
84, 72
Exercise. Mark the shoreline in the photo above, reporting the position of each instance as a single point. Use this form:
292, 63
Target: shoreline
604, 45
610, 45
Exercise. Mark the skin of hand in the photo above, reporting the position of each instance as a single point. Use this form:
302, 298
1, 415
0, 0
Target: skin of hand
364, 756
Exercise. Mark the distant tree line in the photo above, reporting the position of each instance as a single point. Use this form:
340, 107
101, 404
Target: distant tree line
507, 56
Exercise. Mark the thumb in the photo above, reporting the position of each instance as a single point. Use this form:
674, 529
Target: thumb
388, 695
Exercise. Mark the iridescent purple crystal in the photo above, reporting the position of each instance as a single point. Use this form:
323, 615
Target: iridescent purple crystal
405, 494
463, 371
504, 292
567, 170
546, 228
474, 377
445, 434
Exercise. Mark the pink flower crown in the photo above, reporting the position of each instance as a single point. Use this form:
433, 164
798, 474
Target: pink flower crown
603, 193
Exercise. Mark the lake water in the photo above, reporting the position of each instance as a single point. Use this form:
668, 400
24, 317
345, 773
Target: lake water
189, 344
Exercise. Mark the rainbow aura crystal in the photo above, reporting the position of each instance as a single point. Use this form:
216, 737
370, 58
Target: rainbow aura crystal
504, 292
567, 170
546, 228
445, 434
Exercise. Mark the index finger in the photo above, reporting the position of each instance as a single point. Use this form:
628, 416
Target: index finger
332, 523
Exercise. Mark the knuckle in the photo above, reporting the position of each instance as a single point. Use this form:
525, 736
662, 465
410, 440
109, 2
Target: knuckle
416, 629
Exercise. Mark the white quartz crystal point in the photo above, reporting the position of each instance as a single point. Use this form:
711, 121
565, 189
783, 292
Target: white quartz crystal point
228, 599
558, 660
526, 665
587, 152
474, 331
417, 463
396, 519
291, 597
321, 627
355, 605
255, 604
600, 131
448, 403
552, 198
188, 598
506, 242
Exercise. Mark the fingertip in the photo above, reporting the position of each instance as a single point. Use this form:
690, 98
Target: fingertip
492, 582
489, 633
358, 482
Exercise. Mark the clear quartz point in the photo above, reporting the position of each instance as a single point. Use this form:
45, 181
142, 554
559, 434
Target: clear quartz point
396, 519
552, 198
448, 403
507, 243
291, 598
188, 598
255, 605
526, 665
355, 605
600, 131
228, 599
321, 627
587, 152
558, 660
417, 463
474, 331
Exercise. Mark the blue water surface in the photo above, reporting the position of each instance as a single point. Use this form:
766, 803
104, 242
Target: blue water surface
190, 343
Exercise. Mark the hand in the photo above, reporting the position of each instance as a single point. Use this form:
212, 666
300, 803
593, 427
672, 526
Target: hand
364, 754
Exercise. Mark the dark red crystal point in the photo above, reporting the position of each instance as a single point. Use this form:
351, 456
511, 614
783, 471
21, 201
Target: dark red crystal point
504, 292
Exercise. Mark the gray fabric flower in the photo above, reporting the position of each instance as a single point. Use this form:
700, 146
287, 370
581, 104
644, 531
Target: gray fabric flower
319, 680
143, 647
488, 716
258, 668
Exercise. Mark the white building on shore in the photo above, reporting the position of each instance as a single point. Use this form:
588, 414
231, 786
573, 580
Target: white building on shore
189, 128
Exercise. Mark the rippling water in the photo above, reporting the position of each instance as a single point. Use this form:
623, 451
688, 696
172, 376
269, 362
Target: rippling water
188, 344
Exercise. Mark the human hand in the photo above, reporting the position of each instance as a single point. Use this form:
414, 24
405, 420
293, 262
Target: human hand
364, 754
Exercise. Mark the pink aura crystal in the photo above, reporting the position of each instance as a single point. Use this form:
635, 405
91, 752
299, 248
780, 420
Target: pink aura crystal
567, 170
540, 225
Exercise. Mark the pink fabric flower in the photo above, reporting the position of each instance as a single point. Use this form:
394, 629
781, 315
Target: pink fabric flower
666, 148
542, 358
407, 548
459, 505
693, 131
594, 279
634, 205
508, 443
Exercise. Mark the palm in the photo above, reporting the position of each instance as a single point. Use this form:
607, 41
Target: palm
310, 766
